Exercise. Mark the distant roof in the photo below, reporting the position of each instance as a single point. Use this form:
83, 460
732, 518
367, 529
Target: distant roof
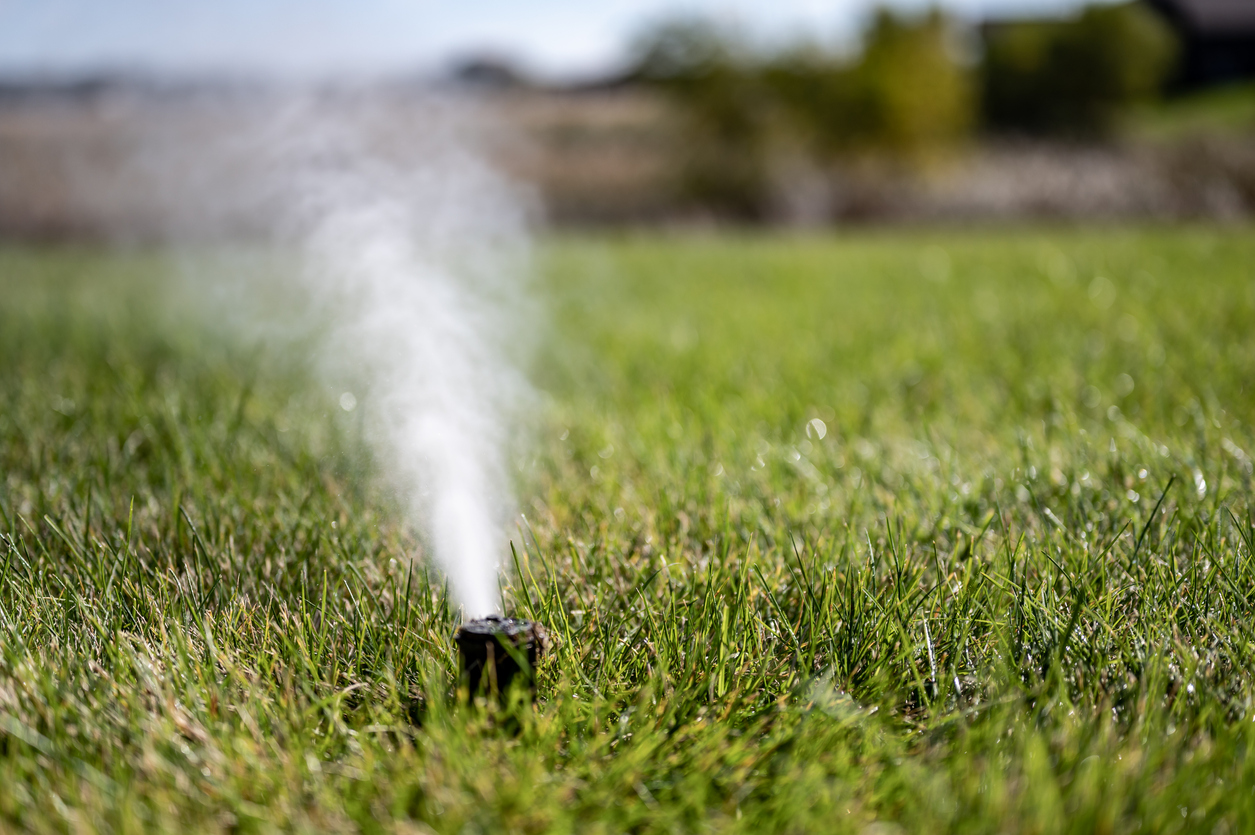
1211, 16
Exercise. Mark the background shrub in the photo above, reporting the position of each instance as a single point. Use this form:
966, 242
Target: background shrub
1074, 77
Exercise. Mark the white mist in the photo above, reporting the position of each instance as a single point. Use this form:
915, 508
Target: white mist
411, 268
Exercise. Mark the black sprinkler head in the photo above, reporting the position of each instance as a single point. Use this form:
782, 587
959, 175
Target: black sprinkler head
494, 652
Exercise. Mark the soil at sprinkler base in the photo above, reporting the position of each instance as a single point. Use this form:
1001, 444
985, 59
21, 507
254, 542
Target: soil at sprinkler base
490, 651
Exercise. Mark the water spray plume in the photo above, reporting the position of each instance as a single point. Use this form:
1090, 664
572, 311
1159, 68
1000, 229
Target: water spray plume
410, 264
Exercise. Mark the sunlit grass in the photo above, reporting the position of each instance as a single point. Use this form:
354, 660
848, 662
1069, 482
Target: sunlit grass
952, 530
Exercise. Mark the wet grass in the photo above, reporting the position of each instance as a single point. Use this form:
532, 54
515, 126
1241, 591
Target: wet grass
952, 531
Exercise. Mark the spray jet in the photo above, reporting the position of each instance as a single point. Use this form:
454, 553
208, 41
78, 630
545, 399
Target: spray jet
410, 265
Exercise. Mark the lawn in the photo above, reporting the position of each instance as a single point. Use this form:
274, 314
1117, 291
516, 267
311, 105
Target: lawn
946, 531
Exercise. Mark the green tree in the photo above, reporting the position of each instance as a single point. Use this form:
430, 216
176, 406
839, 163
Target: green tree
716, 82
906, 95
1074, 77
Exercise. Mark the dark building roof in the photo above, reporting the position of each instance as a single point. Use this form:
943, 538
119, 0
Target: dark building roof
1217, 38
1211, 16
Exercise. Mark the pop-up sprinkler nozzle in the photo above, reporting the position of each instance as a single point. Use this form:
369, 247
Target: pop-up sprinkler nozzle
494, 652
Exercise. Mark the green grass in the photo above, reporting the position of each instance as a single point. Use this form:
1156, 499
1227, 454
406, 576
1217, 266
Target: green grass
1011, 588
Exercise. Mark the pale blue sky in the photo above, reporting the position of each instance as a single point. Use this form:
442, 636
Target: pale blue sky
328, 38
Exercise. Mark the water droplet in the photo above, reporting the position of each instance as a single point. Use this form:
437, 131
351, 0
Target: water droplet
816, 428
1055, 264
348, 402
1102, 292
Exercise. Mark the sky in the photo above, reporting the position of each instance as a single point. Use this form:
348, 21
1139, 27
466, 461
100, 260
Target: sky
334, 38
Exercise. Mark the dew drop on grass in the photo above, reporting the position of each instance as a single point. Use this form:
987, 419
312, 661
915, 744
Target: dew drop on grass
348, 401
683, 337
1055, 264
816, 428
1102, 292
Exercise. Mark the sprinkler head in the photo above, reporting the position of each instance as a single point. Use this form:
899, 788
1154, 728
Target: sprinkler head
493, 652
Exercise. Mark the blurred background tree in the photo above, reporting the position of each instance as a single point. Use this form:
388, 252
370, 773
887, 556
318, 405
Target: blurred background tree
904, 95
1074, 77
907, 94
711, 73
